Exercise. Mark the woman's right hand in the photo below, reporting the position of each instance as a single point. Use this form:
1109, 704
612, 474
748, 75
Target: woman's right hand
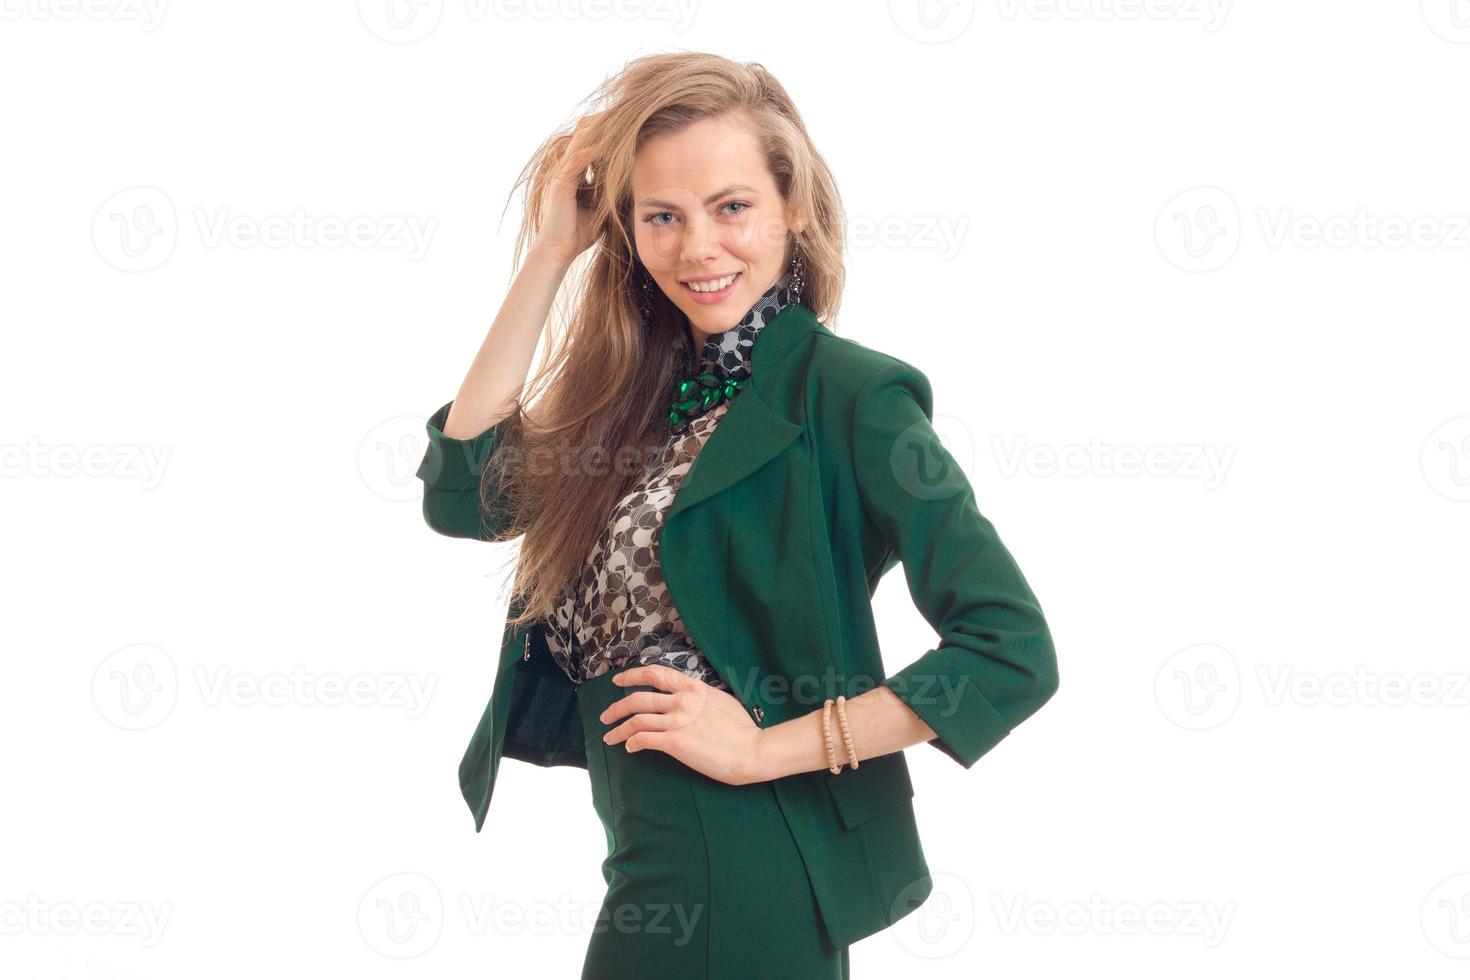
566, 227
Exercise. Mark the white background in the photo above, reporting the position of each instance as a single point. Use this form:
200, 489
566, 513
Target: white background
1226, 239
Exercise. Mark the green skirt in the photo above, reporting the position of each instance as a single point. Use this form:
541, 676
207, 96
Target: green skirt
704, 878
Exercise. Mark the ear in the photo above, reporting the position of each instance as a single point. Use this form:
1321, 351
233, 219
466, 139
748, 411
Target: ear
796, 221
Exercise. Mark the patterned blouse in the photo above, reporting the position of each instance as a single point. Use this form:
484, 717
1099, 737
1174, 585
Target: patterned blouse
619, 614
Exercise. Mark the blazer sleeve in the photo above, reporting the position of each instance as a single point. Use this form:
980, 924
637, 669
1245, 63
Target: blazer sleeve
994, 664
451, 471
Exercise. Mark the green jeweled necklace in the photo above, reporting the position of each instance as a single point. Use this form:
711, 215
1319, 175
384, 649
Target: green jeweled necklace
694, 396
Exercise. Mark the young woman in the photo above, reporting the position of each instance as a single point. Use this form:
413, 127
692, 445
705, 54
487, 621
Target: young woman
708, 489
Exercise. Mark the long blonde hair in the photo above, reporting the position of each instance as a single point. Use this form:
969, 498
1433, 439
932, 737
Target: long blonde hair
598, 403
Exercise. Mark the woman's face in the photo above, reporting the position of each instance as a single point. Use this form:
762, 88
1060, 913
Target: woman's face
706, 208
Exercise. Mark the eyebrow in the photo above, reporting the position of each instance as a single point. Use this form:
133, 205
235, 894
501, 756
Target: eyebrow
653, 202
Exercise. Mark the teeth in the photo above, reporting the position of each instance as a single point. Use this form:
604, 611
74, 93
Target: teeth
712, 286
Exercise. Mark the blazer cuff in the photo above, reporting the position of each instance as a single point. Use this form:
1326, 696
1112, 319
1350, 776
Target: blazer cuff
947, 700
456, 464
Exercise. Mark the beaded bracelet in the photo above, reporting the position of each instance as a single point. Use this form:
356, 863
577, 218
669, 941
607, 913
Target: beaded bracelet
832, 765
846, 732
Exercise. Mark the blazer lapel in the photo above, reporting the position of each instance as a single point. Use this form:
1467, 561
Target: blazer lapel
752, 432
694, 544
749, 436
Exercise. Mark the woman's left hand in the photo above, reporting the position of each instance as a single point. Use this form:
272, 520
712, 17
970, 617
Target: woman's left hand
703, 727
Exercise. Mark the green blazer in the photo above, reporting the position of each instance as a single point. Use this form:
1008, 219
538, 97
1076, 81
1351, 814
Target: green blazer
824, 473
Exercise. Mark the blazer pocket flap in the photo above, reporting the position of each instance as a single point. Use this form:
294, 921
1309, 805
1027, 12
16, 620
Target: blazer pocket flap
876, 786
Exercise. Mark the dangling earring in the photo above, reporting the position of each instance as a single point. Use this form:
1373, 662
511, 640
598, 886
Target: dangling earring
798, 270
645, 297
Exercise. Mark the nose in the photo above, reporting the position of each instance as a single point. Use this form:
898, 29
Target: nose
700, 244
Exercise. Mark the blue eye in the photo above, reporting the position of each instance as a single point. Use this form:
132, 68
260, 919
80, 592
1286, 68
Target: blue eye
652, 218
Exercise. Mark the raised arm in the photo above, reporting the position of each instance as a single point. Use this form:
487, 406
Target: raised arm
465, 432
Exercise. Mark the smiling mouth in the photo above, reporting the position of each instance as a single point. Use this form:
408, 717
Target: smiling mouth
710, 285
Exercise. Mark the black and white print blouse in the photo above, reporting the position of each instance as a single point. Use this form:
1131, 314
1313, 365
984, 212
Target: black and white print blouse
619, 614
